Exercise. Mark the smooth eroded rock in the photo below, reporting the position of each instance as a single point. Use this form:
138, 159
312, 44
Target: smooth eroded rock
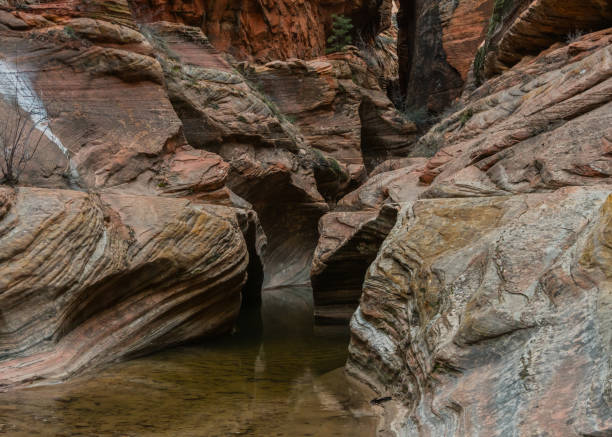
88, 279
491, 316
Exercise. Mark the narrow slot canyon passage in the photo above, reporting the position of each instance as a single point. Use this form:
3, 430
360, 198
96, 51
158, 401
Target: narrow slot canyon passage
386, 218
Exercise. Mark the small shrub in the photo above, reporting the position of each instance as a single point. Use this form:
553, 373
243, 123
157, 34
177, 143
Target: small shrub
500, 9
21, 132
428, 146
418, 115
574, 36
465, 116
69, 31
366, 52
479, 63
242, 119
341, 33
450, 110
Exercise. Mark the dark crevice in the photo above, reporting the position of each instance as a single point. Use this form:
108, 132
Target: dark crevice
427, 80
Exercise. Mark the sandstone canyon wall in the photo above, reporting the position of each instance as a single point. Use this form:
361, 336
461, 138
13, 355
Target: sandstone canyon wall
169, 177
486, 310
268, 30
491, 316
198, 151
436, 44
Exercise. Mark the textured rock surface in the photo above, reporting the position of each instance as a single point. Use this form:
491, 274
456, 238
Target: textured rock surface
464, 27
348, 243
526, 27
119, 99
519, 131
103, 92
270, 164
490, 316
486, 315
267, 30
350, 236
87, 279
337, 103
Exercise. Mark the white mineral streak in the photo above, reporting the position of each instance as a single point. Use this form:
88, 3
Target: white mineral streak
15, 84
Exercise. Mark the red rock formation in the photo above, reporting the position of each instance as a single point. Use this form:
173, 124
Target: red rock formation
436, 46
348, 242
518, 133
270, 165
120, 273
463, 29
267, 30
87, 74
526, 27
339, 107
86, 280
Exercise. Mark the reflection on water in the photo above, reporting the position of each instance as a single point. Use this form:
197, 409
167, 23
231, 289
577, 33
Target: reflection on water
271, 378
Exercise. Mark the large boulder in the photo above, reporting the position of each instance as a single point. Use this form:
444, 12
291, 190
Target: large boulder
89, 279
491, 316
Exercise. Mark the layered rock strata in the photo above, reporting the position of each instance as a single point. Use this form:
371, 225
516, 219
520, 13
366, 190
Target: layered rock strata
522, 28
518, 132
146, 260
90, 279
268, 30
269, 163
490, 316
339, 106
486, 307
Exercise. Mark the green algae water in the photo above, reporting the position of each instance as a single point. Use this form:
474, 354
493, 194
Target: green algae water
277, 375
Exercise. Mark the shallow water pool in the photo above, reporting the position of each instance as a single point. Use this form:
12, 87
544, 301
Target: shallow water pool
275, 376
